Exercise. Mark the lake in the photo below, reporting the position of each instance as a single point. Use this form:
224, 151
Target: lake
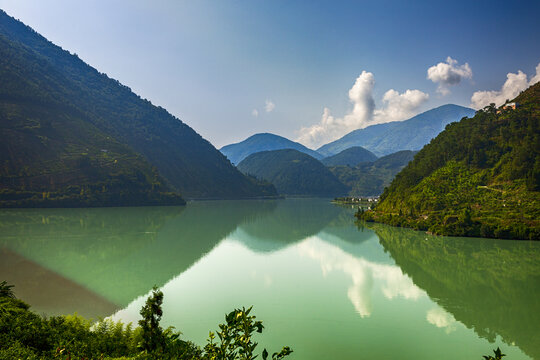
322, 285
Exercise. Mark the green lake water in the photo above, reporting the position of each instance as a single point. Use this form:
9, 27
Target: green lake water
319, 283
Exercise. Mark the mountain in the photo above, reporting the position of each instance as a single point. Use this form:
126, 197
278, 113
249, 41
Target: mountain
350, 156
293, 173
412, 134
479, 177
263, 142
370, 178
69, 131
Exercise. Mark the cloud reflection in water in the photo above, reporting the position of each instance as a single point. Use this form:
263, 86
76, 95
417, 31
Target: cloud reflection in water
363, 273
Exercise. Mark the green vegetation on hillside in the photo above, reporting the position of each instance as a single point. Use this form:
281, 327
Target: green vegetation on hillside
293, 173
72, 136
26, 335
370, 178
479, 177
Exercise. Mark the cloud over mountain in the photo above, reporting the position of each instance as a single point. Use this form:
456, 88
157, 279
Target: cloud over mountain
447, 74
399, 106
396, 107
514, 84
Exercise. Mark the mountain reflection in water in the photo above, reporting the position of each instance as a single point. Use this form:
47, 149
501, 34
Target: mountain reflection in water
319, 283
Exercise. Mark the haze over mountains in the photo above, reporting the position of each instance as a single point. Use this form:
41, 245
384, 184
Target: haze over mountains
353, 159
263, 142
71, 132
380, 139
294, 173
412, 134
370, 178
350, 156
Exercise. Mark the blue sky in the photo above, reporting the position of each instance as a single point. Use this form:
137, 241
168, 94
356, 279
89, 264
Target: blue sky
308, 70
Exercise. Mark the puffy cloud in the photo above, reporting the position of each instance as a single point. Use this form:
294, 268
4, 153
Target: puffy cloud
361, 97
514, 84
396, 107
447, 74
255, 112
535, 78
399, 106
269, 106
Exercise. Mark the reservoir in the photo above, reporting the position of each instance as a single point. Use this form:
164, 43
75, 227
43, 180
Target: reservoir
321, 284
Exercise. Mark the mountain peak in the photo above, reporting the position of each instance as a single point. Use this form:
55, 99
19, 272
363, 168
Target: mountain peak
263, 142
411, 134
59, 115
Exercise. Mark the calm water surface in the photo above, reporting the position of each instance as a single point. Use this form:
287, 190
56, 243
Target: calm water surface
319, 283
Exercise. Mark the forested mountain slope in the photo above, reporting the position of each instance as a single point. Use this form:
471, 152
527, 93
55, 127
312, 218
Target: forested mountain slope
293, 173
479, 177
67, 128
370, 178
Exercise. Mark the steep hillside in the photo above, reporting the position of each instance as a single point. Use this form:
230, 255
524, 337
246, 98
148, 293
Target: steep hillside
263, 142
293, 173
479, 177
350, 156
370, 178
412, 134
59, 117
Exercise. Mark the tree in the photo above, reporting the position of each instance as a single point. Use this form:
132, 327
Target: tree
6, 290
235, 338
498, 355
152, 333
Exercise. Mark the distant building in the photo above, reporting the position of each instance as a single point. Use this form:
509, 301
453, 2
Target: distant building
508, 106
512, 106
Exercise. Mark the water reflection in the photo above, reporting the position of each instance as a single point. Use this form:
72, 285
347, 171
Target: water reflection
490, 286
290, 221
327, 288
362, 273
441, 319
49, 292
120, 253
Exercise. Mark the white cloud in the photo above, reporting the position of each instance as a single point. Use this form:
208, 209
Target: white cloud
269, 105
535, 78
514, 84
399, 106
447, 74
396, 107
255, 112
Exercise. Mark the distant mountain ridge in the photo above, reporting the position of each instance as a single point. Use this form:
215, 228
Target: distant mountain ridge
263, 142
66, 128
293, 173
411, 134
350, 156
370, 178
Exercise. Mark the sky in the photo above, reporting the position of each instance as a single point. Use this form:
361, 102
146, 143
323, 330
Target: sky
311, 71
